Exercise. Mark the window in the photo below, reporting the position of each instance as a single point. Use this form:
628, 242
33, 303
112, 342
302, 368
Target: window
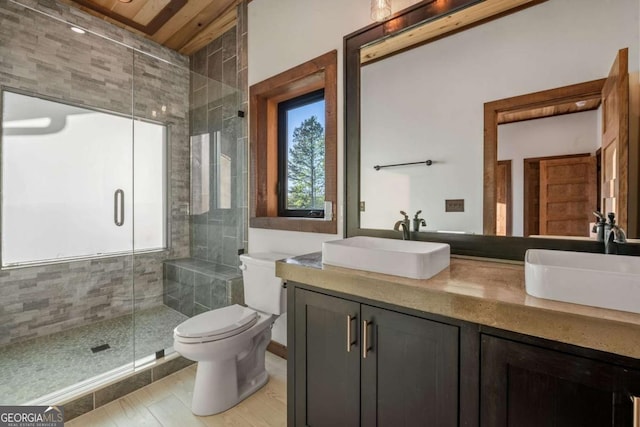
293, 139
68, 186
301, 156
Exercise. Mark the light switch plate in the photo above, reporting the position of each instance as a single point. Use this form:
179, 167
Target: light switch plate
454, 205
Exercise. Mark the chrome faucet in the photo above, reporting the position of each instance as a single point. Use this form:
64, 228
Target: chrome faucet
404, 224
613, 236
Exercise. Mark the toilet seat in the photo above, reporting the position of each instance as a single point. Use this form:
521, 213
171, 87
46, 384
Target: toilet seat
216, 324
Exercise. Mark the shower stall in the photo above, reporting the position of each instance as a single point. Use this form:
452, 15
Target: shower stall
105, 181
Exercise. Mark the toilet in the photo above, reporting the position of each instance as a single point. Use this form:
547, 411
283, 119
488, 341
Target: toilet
229, 343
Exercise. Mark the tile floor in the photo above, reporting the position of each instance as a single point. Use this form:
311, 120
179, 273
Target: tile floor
166, 403
37, 367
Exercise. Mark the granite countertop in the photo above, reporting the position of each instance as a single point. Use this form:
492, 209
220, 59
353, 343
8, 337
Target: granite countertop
486, 292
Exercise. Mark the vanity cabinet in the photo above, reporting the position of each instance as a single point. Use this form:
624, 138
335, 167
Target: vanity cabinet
525, 386
360, 365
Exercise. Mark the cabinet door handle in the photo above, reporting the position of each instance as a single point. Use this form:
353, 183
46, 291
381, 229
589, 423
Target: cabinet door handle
636, 411
350, 342
365, 335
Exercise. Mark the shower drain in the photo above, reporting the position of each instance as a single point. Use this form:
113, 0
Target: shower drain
99, 348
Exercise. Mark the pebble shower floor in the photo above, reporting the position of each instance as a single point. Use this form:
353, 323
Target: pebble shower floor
43, 365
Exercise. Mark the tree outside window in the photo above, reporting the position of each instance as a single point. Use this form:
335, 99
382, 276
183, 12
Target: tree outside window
302, 156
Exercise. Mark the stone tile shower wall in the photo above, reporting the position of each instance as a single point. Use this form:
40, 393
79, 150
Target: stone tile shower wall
219, 233
40, 55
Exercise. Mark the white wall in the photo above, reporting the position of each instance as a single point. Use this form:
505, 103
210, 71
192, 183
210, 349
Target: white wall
552, 136
427, 103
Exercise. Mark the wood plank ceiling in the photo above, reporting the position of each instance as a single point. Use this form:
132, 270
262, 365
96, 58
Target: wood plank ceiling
182, 25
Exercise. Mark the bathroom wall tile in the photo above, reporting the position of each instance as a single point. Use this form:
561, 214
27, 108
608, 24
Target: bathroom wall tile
199, 252
230, 252
173, 303
202, 285
229, 104
115, 391
35, 304
200, 234
214, 46
199, 63
235, 290
172, 288
215, 243
242, 18
215, 92
215, 124
219, 296
170, 272
185, 277
78, 407
243, 85
230, 72
199, 309
214, 70
199, 112
229, 48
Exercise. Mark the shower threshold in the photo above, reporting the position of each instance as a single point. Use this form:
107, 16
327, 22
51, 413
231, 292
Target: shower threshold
50, 369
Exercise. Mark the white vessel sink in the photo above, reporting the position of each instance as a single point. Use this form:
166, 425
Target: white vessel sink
608, 281
406, 258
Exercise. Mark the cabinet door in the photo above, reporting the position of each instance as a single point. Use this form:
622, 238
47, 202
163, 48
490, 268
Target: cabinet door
528, 386
327, 361
409, 371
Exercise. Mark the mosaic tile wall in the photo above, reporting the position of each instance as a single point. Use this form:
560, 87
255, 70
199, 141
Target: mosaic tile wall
219, 231
40, 55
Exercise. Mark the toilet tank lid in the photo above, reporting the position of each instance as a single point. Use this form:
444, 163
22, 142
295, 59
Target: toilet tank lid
267, 258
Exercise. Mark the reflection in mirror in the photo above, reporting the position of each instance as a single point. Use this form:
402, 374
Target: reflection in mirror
428, 103
210, 173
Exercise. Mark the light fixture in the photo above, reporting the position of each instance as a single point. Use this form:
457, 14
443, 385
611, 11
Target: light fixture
125, 1
581, 104
78, 30
380, 10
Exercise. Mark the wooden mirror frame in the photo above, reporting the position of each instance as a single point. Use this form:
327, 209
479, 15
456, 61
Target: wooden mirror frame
499, 247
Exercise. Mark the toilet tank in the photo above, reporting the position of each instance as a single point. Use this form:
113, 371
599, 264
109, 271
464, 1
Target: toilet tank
263, 291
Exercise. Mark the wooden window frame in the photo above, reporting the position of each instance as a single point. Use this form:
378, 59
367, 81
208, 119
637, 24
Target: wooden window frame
264, 97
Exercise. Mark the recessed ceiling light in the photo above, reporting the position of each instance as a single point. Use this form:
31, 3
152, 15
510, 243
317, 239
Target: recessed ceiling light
581, 103
78, 30
125, 1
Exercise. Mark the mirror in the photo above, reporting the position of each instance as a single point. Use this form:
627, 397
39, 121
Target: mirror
428, 103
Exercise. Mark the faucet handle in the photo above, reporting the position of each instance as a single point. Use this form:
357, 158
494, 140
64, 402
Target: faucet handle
417, 213
405, 214
612, 218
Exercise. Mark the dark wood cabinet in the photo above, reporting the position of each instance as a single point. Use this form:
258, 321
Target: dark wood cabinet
528, 386
327, 374
357, 364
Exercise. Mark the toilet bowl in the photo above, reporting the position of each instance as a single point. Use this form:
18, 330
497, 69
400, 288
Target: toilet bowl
229, 343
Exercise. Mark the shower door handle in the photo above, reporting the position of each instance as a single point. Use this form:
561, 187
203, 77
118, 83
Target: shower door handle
118, 207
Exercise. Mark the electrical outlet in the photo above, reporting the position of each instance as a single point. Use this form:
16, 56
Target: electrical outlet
454, 205
361, 206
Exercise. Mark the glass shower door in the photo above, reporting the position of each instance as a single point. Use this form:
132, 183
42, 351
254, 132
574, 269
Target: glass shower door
66, 285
